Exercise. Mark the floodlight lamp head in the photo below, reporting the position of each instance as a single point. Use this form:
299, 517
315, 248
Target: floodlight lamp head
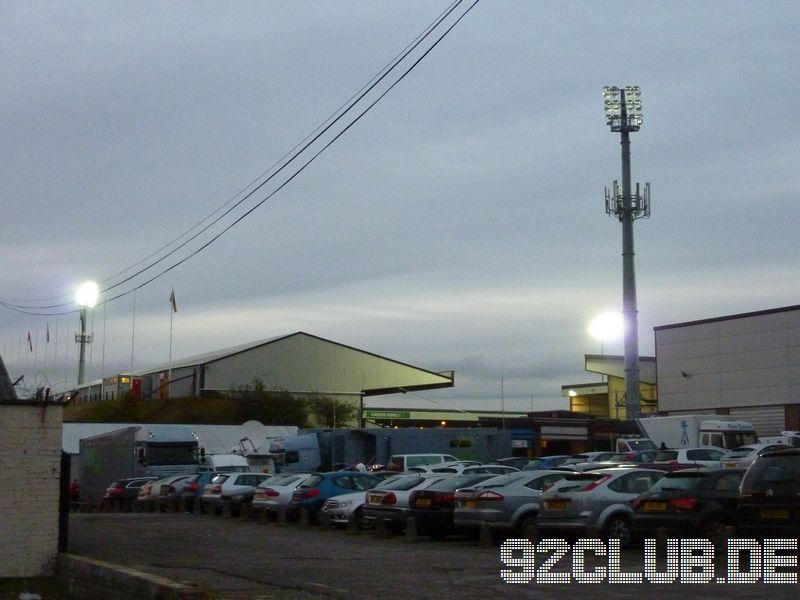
87, 294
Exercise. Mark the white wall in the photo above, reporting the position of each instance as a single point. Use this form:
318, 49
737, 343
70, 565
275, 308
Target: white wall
30, 461
744, 361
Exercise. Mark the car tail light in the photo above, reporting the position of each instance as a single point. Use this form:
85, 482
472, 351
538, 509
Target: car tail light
637, 503
389, 498
684, 503
216, 489
192, 487
311, 493
444, 499
595, 483
490, 496
115, 491
270, 492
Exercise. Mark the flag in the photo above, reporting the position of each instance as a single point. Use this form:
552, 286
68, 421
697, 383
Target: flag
48, 332
30, 343
172, 301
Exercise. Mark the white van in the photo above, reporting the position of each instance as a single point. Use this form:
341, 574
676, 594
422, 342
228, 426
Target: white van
225, 463
403, 462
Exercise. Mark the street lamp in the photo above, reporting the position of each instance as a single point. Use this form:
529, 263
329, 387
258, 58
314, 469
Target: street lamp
624, 115
86, 298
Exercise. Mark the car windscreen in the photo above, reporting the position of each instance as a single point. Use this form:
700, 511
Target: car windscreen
401, 483
666, 456
458, 481
781, 474
683, 481
219, 478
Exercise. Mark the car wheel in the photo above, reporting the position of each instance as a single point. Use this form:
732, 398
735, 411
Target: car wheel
618, 528
714, 529
527, 528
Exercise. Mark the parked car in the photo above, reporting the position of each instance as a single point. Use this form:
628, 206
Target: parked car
150, 492
432, 507
313, 492
274, 494
744, 456
340, 509
123, 492
235, 489
584, 457
768, 503
194, 487
697, 503
453, 466
546, 462
508, 504
404, 462
474, 469
518, 462
639, 457
171, 493
594, 503
703, 457
390, 502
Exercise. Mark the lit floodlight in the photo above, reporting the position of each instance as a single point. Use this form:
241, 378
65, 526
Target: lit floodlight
608, 326
87, 294
623, 107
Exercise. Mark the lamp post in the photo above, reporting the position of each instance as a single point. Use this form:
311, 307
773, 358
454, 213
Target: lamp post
623, 108
86, 298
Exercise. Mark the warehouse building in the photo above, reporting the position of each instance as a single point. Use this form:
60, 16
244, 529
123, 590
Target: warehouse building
746, 365
299, 363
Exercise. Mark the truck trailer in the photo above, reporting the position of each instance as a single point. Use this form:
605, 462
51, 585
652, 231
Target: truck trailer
693, 431
137, 451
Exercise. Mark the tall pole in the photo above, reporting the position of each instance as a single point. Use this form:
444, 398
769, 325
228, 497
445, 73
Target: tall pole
82, 339
624, 116
629, 309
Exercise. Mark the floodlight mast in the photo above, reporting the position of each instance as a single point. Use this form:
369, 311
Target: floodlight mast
624, 115
86, 298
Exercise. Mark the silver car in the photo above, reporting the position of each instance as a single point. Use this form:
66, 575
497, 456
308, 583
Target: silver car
594, 504
507, 503
274, 494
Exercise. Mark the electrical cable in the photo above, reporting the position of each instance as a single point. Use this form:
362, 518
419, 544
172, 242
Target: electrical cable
352, 103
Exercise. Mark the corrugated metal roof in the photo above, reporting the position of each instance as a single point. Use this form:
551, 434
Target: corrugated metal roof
216, 439
207, 357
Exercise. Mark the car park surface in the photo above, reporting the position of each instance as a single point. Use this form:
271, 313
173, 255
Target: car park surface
234, 559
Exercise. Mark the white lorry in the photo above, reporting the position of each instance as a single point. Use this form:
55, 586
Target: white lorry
692, 431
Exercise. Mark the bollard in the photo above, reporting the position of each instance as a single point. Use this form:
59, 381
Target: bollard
324, 521
305, 521
352, 525
281, 520
411, 530
381, 530
486, 539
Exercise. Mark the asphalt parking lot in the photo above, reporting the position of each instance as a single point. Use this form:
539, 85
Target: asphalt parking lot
240, 559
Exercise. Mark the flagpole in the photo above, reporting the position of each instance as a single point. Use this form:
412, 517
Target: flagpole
173, 307
133, 331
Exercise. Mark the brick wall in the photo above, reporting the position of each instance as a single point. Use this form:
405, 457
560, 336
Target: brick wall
30, 454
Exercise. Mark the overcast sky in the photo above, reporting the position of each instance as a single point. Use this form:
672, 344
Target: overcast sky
460, 224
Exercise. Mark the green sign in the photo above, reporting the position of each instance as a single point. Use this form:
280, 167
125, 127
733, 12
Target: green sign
387, 414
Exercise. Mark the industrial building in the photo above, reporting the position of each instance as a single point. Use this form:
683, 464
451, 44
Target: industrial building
746, 365
299, 363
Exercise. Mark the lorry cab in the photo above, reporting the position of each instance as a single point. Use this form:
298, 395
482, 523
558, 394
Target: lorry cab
225, 463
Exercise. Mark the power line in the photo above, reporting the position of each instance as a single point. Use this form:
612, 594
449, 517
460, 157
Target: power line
294, 152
